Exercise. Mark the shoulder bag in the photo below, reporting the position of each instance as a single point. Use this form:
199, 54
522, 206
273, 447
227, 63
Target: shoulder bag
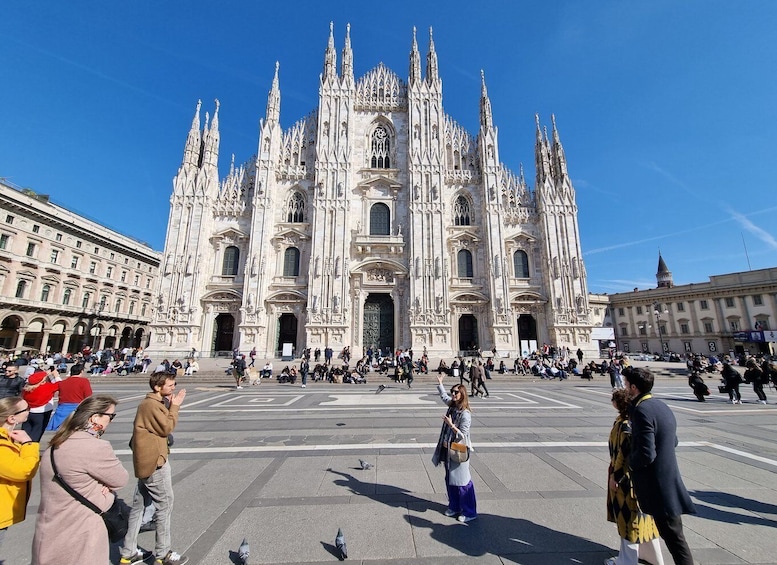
458, 452
116, 518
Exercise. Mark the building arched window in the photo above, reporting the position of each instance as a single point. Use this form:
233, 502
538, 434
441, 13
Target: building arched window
462, 214
464, 260
291, 262
521, 264
380, 149
131, 308
380, 219
44, 293
295, 209
85, 300
231, 259
103, 302
118, 306
66, 296
21, 287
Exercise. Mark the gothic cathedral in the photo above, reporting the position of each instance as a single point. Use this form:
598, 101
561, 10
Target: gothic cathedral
376, 220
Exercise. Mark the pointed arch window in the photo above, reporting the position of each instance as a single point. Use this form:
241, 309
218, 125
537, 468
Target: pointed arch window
291, 262
464, 260
231, 260
521, 264
380, 149
380, 219
462, 214
295, 209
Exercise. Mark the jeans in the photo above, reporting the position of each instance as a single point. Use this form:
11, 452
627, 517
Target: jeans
159, 487
36, 424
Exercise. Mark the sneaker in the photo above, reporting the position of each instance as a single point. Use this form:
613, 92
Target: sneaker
238, 387
448, 512
303, 386
465, 519
609, 561
137, 559
761, 402
172, 558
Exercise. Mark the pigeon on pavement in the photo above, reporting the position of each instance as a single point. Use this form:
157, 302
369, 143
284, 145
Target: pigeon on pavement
243, 551
340, 545
365, 465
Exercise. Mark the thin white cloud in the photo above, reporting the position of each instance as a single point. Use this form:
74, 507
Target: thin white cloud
760, 233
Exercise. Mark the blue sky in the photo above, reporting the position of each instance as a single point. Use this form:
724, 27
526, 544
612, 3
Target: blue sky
667, 110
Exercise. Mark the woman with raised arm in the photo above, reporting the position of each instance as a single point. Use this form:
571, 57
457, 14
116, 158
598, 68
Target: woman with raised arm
455, 430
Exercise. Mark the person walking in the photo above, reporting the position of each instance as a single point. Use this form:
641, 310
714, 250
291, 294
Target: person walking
19, 459
755, 376
154, 422
67, 531
732, 379
239, 371
476, 376
456, 428
654, 471
637, 530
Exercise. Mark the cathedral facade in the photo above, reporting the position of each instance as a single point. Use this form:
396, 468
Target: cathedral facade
376, 220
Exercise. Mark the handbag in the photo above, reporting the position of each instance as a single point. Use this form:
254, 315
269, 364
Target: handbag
116, 518
458, 452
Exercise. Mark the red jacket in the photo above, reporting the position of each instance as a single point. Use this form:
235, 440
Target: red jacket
40, 395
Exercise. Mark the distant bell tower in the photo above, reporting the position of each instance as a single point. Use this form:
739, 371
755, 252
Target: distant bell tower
664, 275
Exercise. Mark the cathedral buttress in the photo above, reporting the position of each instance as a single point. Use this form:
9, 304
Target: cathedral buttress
428, 284
493, 244
564, 268
329, 293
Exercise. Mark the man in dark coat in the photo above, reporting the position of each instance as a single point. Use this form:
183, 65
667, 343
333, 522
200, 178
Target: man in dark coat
654, 471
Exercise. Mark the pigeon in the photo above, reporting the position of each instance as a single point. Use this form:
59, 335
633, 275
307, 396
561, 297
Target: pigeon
340, 545
381, 388
365, 466
243, 551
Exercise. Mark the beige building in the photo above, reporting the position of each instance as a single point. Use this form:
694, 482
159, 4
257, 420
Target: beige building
375, 220
67, 282
732, 312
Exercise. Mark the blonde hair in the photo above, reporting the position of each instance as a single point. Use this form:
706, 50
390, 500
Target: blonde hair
8, 406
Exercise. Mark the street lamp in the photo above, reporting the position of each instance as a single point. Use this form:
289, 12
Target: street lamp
657, 313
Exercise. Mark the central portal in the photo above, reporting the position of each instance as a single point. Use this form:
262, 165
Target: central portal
379, 321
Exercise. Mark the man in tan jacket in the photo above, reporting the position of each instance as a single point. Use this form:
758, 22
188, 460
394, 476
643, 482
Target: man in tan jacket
154, 422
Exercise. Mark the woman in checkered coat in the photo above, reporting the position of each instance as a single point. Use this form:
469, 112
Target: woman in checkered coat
638, 532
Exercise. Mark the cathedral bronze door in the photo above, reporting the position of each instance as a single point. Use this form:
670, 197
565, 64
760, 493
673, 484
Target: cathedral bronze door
468, 333
224, 332
379, 321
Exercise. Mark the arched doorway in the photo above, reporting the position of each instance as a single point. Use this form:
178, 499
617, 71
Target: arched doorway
287, 332
468, 333
138, 338
126, 338
224, 332
527, 334
9, 332
378, 321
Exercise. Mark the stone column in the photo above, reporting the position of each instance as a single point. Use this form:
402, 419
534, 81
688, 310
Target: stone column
20, 339
44, 340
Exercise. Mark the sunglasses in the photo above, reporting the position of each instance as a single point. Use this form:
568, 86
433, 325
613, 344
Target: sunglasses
23, 410
455, 392
111, 415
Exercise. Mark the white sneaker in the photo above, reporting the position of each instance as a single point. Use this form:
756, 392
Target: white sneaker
465, 519
761, 402
448, 512
303, 386
610, 561
238, 387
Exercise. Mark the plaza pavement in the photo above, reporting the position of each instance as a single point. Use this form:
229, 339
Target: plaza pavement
279, 465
